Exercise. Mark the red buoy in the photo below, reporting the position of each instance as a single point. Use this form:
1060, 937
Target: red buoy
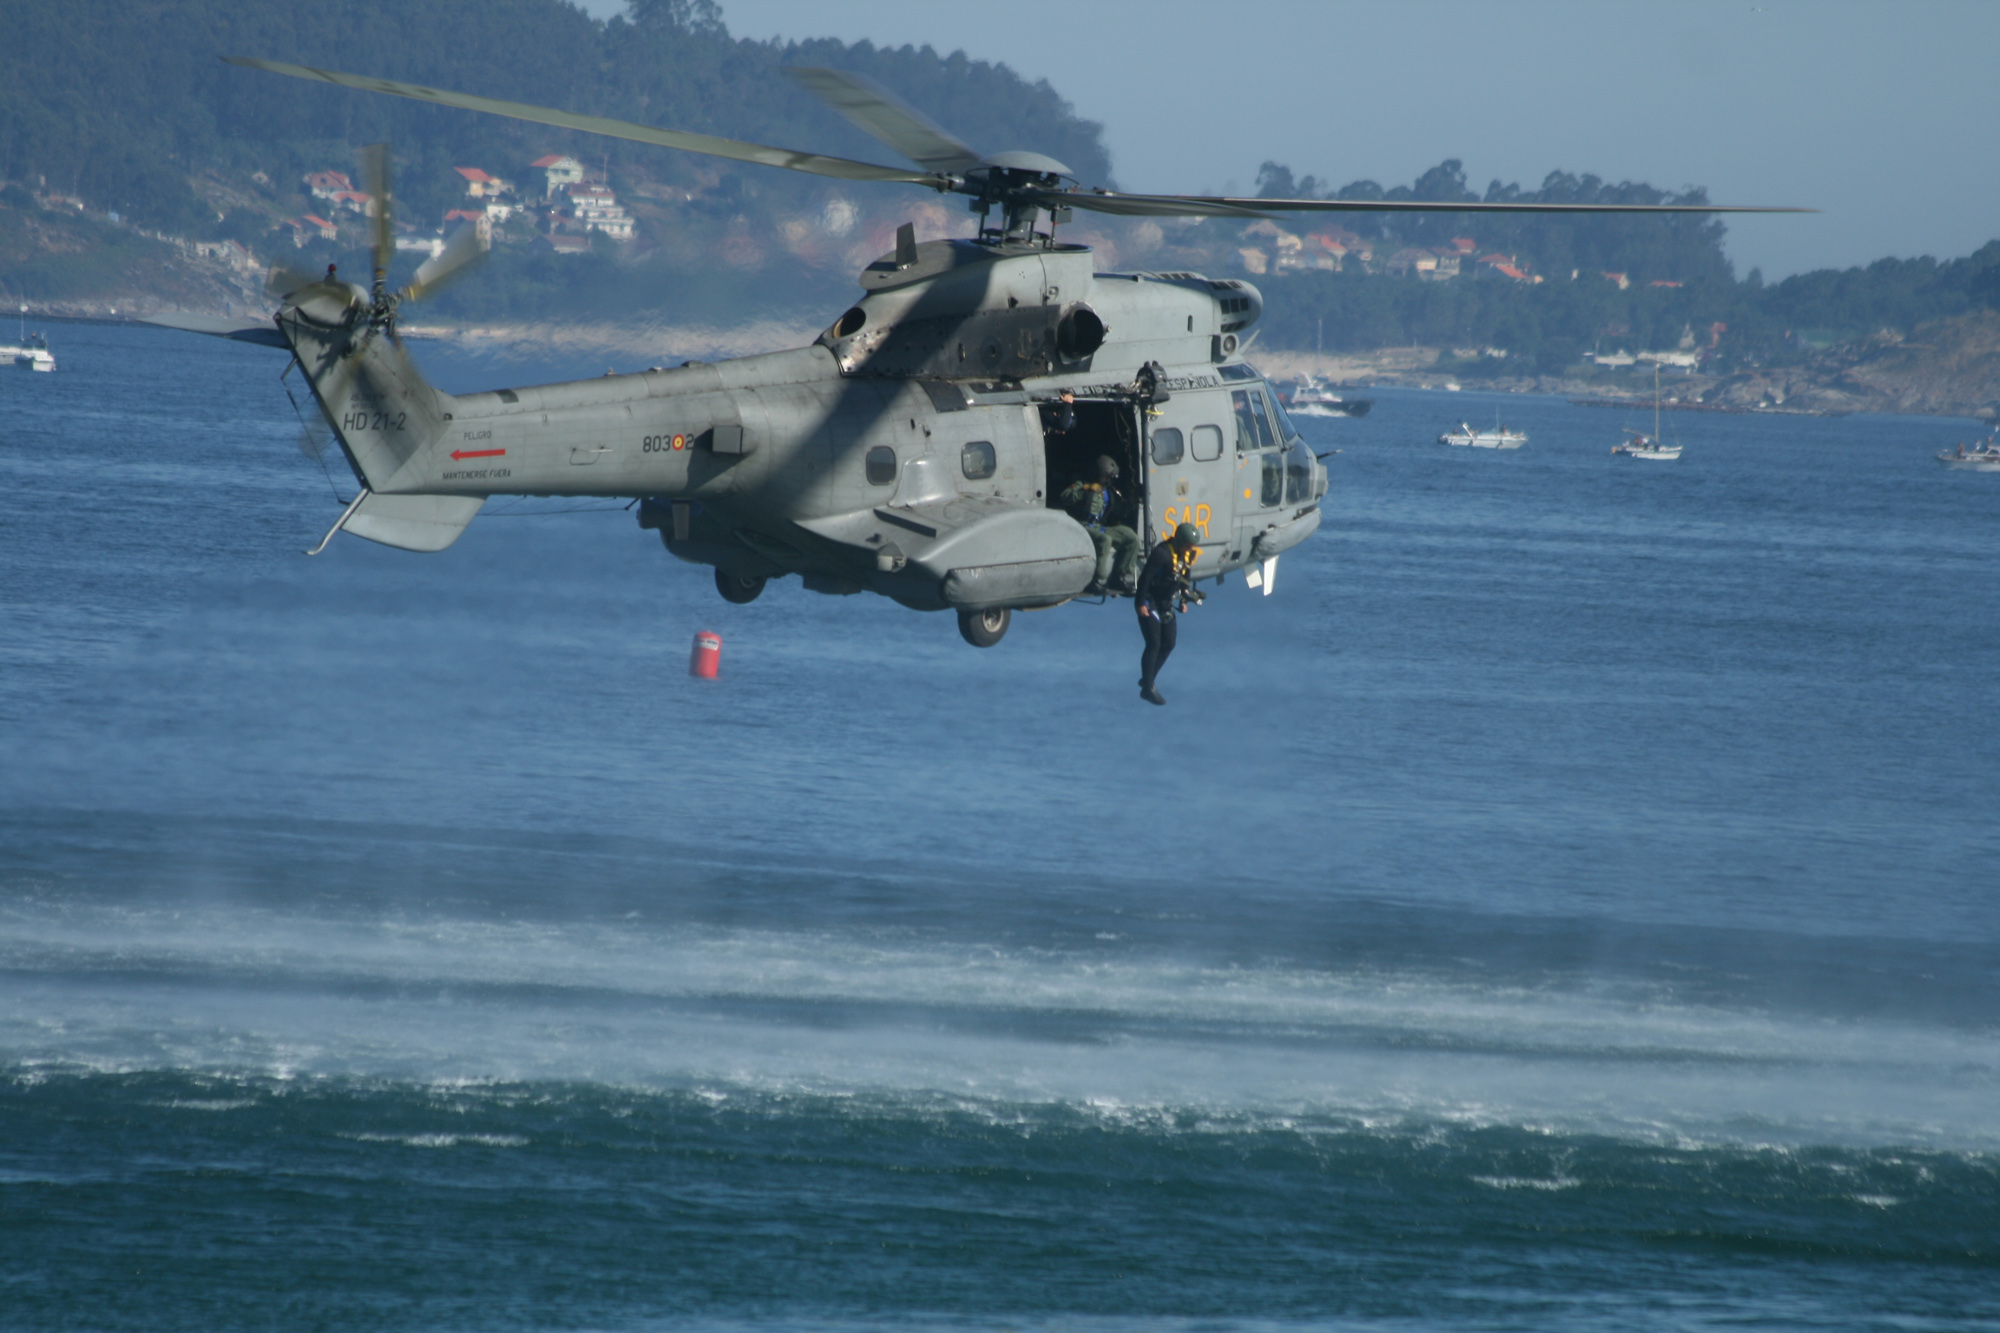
706, 659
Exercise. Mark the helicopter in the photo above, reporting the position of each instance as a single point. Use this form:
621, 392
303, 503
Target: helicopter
915, 449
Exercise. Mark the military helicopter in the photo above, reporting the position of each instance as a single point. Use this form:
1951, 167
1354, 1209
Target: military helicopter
912, 450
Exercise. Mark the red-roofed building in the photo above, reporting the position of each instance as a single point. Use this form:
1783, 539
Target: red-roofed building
1504, 266
560, 171
1619, 278
479, 185
596, 208
354, 201
1465, 245
1663, 282
307, 226
326, 184
464, 215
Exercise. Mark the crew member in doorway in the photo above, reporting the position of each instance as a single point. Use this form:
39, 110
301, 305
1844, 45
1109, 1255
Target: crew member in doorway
1064, 419
1165, 589
1105, 512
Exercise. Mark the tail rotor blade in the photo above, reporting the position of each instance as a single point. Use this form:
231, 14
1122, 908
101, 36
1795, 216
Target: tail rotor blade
468, 245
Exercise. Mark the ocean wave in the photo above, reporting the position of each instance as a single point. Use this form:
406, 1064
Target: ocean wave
1124, 1036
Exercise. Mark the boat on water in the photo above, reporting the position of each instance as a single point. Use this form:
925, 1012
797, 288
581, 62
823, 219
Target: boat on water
1637, 445
1309, 397
31, 353
1982, 457
1497, 438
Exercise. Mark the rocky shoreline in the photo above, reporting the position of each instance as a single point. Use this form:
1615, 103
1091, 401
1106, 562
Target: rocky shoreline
1950, 368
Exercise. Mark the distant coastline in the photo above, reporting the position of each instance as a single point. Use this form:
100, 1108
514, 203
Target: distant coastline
1948, 369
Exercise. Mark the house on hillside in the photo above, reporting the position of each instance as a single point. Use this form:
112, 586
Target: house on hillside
559, 172
1423, 264
595, 208
354, 201
479, 185
233, 253
308, 227
1620, 280
1501, 266
327, 184
1326, 252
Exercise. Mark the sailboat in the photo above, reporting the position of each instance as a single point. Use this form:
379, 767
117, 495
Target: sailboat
1649, 446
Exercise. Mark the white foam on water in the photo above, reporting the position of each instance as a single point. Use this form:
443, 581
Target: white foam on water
1127, 1037
1526, 1183
442, 1140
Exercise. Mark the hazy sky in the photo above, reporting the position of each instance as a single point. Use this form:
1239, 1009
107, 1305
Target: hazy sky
1881, 114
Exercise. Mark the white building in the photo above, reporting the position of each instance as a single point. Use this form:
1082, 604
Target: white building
559, 171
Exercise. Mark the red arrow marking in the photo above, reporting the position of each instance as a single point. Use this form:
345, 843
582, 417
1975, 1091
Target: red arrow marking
477, 453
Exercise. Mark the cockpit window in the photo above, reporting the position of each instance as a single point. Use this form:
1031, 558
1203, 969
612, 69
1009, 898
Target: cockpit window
1286, 430
1238, 370
1246, 421
1298, 474
1266, 437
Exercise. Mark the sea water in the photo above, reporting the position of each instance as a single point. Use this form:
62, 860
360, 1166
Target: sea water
1568, 902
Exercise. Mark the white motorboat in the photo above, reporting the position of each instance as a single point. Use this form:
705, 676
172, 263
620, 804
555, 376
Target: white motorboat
1979, 458
1497, 438
1649, 446
31, 353
1309, 397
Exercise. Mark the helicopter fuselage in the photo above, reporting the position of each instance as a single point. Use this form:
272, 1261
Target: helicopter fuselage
914, 449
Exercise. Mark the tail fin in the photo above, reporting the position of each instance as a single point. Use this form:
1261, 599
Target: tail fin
383, 413
379, 406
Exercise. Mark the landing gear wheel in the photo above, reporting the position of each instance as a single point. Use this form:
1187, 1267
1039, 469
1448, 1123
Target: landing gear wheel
738, 588
983, 629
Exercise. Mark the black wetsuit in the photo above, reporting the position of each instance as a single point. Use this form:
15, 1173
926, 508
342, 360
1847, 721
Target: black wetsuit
1160, 589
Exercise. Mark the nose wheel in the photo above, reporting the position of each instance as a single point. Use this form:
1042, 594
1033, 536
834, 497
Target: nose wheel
983, 629
738, 588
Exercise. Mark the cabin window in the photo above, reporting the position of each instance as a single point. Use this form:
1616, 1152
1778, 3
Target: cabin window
1274, 479
881, 465
1207, 443
1167, 446
1298, 474
977, 460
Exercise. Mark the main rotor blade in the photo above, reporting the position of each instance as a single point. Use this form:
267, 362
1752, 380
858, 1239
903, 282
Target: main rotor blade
735, 149
375, 171
1190, 205
877, 110
468, 245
